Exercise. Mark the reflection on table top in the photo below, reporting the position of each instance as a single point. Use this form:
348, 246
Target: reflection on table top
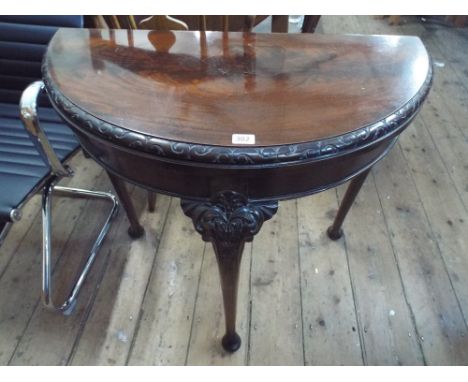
203, 87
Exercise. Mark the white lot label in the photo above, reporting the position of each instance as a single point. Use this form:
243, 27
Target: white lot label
243, 139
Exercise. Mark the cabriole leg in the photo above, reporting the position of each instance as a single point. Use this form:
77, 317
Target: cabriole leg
229, 256
229, 220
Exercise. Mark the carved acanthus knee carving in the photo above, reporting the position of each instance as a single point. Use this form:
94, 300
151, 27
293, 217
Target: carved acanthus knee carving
228, 216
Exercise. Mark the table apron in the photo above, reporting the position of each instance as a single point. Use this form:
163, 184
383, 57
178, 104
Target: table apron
194, 180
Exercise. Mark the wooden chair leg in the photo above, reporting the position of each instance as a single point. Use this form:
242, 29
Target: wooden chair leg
310, 23
279, 23
334, 231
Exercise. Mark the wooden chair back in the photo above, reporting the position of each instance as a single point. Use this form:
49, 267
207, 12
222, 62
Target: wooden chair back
225, 23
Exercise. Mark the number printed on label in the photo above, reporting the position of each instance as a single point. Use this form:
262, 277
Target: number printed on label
243, 139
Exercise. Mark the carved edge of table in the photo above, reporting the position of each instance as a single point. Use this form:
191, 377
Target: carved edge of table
316, 150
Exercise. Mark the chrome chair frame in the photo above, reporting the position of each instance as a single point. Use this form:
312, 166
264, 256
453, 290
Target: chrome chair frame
28, 115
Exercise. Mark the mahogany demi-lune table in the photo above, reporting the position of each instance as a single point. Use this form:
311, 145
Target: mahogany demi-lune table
232, 123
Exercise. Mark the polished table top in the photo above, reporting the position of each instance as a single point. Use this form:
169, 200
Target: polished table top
201, 88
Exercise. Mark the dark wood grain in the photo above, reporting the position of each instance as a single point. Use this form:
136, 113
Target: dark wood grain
202, 88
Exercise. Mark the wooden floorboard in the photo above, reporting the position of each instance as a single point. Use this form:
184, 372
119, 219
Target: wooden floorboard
208, 320
21, 280
276, 322
387, 328
438, 319
168, 305
43, 323
107, 335
393, 290
331, 331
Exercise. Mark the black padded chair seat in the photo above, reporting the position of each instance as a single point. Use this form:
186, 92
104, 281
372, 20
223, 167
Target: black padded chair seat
21, 167
23, 41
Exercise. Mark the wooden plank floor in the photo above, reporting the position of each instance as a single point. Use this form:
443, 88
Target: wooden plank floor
393, 291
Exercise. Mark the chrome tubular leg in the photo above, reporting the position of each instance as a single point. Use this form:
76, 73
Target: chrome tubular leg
68, 306
46, 244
